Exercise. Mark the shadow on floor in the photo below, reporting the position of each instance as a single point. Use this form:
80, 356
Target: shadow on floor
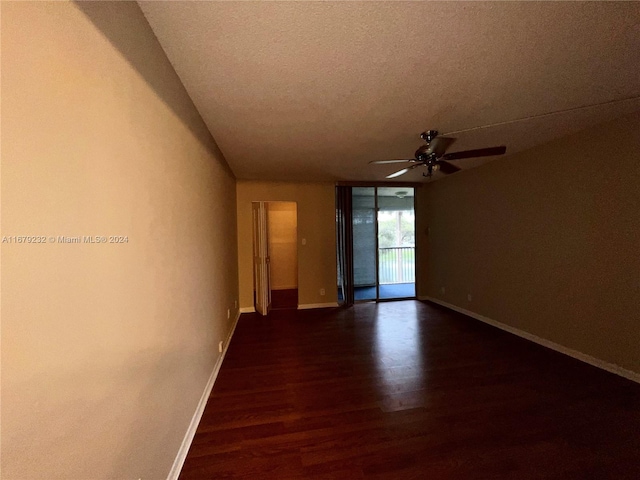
398, 290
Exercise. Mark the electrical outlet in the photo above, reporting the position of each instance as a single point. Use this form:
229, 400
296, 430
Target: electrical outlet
228, 313
469, 297
442, 290
235, 304
220, 344
322, 292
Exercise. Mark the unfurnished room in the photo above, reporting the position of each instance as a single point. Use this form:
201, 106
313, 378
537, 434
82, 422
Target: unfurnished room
319, 240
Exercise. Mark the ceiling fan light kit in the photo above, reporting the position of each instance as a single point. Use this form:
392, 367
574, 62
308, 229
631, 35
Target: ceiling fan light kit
433, 155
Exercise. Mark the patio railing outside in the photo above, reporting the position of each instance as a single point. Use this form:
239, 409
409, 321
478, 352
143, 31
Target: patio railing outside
397, 265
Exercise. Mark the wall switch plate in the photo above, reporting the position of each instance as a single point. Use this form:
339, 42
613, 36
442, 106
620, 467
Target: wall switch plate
235, 304
304, 241
220, 345
228, 313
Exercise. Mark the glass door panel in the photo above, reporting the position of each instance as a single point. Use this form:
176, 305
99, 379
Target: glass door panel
396, 242
365, 277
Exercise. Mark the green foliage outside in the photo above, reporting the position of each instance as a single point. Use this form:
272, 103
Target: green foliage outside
390, 234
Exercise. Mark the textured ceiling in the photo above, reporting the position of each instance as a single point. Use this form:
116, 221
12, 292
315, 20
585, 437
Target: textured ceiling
314, 90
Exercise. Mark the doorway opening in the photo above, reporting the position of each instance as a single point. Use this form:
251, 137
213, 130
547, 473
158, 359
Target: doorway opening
275, 244
396, 243
283, 247
376, 243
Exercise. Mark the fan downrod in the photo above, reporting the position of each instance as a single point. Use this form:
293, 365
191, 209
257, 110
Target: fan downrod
429, 135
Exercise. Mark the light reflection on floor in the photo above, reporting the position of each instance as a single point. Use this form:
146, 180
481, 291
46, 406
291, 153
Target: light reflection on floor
398, 352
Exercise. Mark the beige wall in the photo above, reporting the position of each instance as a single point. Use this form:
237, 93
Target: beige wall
316, 224
546, 241
283, 245
106, 349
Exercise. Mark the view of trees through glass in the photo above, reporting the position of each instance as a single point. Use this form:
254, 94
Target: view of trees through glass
396, 228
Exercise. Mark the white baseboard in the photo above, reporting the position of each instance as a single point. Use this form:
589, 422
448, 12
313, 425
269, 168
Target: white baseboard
596, 362
307, 306
247, 309
174, 473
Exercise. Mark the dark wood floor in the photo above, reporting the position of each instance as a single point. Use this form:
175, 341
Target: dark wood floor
284, 299
409, 390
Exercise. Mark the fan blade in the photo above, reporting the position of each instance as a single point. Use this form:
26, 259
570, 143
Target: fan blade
439, 145
403, 171
481, 152
398, 173
378, 162
446, 167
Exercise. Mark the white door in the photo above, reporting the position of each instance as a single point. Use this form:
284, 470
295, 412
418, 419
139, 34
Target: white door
261, 260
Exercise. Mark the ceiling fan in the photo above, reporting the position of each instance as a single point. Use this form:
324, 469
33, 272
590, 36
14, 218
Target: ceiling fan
433, 155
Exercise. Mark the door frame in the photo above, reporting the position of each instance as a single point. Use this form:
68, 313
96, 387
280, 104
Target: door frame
271, 222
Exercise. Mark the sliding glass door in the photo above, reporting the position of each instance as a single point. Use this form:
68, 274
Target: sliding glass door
365, 275
383, 243
396, 243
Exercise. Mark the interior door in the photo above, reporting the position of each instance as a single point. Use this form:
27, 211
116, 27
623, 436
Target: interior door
261, 260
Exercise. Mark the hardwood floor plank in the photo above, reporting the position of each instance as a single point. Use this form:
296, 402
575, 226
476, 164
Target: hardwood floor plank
408, 390
284, 299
